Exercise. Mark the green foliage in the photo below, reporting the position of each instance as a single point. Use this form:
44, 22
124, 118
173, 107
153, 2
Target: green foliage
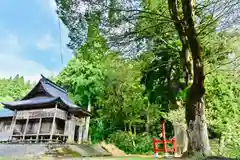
97, 130
13, 88
122, 140
83, 79
5, 99
83, 76
123, 95
129, 143
177, 117
222, 109
113, 83
143, 144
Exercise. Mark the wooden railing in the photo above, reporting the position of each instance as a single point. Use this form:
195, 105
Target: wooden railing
164, 142
41, 113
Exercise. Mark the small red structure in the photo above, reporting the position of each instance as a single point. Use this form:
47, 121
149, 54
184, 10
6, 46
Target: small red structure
164, 142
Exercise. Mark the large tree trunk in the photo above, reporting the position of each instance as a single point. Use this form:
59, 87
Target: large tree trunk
195, 117
197, 127
185, 55
196, 123
182, 139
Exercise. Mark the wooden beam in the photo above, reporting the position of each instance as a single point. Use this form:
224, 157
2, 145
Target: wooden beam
25, 129
13, 124
53, 122
39, 128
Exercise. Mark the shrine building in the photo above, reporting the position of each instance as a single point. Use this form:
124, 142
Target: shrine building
45, 114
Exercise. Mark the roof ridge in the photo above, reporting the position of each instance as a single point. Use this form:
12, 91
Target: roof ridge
53, 84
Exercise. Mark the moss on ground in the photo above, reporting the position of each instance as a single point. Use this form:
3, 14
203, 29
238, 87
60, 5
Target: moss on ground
63, 152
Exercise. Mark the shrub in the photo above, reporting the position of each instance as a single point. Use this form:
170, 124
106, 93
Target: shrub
97, 130
122, 140
144, 144
130, 143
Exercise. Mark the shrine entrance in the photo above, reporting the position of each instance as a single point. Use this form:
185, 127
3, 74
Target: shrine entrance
76, 134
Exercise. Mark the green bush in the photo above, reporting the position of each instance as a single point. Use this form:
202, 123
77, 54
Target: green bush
144, 144
129, 143
232, 151
97, 130
122, 140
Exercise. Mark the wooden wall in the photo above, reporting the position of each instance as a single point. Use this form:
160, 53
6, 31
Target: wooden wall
43, 113
63, 125
5, 125
70, 128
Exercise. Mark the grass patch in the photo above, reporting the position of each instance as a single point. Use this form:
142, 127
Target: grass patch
136, 158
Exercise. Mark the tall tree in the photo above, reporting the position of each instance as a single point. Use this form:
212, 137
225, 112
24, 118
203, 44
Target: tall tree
83, 76
192, 21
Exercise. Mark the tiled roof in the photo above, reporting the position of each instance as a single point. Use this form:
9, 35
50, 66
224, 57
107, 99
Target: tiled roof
56, 91
53, 93
31, 101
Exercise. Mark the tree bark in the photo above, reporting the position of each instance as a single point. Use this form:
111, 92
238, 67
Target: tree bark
196, 123
195, 116
185, 55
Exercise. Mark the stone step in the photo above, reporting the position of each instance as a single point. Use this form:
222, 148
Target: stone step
89, 150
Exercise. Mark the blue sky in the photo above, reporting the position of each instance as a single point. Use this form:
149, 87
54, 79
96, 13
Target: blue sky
29, 39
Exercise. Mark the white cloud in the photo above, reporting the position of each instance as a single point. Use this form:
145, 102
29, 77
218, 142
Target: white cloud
46, 42
50, 7
9, 43
12, 63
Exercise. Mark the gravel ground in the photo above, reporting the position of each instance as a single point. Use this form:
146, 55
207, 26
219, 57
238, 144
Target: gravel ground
20, 150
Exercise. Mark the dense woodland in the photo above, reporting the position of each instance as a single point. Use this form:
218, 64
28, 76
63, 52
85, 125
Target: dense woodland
139, 61
13, 88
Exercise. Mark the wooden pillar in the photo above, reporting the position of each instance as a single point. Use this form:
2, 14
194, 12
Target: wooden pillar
25, 129
80, 134
164, 137
13, 124
66, 127
71, 128
1, 125
39, 128
53, 122
81, 129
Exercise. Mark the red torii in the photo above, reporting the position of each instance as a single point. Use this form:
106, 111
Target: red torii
164, 142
